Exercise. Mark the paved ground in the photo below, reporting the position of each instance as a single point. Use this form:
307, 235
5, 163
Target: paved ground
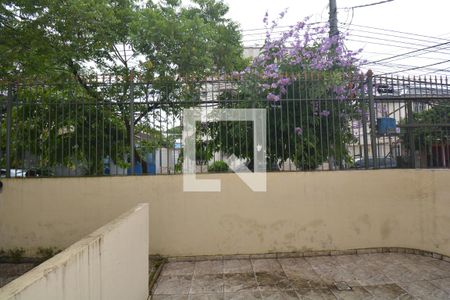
369, 276
9, 272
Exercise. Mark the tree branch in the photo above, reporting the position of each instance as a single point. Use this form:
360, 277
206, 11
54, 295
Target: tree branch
81, 81
116, 51
142, 114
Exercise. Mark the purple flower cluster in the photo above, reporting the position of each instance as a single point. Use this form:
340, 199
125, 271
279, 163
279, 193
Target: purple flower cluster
307, 49
303, 47
324, 113
273, 97
298, 130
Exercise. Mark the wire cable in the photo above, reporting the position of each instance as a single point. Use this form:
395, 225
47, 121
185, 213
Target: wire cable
417, 68
397, 31
367, 5
411, 52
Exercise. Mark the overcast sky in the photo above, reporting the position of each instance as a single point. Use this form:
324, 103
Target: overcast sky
426, 21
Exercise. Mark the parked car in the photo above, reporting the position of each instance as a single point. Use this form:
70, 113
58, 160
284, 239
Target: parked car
382, 163
13, 173
390, 90
38, 172
385, 89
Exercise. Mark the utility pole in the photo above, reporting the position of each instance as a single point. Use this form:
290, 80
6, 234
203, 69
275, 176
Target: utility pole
333, 18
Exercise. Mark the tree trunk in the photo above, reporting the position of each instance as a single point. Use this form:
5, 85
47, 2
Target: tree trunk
141, 160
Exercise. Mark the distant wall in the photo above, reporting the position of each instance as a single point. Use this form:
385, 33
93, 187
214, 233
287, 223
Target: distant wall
109, 264
300, 211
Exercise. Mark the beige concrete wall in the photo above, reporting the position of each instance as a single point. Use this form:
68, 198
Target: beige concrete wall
300, 211
109, 264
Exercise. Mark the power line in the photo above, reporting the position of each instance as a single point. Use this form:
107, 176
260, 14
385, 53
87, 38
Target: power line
390, 40
440, 70
390, 54
384, 44
359, 36
403, 40
407, 34
402, 66
411, 52
397, 31
419, 67
285, 26
392, 35
261, 40
276, 35
367, 5
417, 51
382, 70
271, 32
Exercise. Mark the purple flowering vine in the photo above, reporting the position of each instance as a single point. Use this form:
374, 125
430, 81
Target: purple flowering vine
306, 49
324, 113
303, 47
273, 97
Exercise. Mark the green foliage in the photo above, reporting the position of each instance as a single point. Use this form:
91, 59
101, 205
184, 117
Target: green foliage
298, 129
164, 44
47, 38
426, 136
66, 127
439, 113
16, 254
179, 164
204, 150
303, 79
47, 252
190, 42
218, 167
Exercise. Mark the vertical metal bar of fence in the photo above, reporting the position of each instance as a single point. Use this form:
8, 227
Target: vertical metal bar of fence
364, 126
373, 137
8, 130
2, 117
132, 122
22, 133
410, 131
18, 103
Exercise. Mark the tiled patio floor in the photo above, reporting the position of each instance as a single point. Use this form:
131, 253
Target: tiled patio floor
370, 276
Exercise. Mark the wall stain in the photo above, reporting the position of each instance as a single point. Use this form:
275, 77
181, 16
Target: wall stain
237, 226
386, 228
362, 223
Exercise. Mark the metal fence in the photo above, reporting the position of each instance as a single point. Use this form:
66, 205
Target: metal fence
111, 126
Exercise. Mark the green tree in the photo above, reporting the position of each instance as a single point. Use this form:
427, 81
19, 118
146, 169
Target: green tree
430, 132
307, 126
151, 51
304, 79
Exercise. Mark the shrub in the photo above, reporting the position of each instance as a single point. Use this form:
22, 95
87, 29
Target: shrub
218, 167
16, 254
46, 253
